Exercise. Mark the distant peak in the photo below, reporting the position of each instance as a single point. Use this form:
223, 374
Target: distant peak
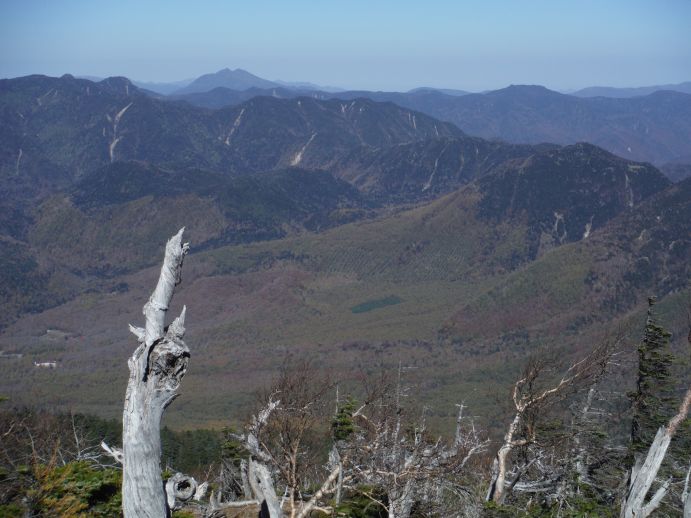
525, 91
118, 82
228, 70
527, 87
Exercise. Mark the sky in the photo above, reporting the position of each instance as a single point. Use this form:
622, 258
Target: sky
375, 45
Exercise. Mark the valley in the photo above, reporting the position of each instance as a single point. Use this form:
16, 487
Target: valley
398, 238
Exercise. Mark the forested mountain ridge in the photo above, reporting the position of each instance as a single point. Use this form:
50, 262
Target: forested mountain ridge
83, 159
652, 127
393, 233
78, 126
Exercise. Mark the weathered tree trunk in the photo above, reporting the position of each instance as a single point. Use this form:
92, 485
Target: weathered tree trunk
263, 488
579, 450
686, 495
156, 368
644, 473
336, 473
401, 501
496, 491
257, 484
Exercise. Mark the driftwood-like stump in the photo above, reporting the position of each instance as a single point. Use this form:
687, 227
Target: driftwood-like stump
156, 368
644, 472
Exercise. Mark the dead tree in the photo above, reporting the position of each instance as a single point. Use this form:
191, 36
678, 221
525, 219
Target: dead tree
156, 368
686, 495
256, 477
529, 400
283, 442
645, 471
398, 456
406, 463
294, 427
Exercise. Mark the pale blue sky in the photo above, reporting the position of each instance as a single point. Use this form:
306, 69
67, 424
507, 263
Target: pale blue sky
392, 45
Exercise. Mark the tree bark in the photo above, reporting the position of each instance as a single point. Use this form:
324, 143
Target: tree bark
263, 488
325, 488
496, 491
156, 368
686, 495
401, 501
643, 474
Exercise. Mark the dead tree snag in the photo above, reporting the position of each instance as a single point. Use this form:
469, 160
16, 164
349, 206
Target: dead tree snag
156, 368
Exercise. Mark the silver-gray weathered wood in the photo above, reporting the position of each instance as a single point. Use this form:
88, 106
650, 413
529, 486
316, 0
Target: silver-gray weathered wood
644, 472
156, 368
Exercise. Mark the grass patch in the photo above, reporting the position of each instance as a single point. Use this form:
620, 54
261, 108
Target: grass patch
370, 305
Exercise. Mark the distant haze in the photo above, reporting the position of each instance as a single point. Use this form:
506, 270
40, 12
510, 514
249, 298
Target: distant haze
387, 45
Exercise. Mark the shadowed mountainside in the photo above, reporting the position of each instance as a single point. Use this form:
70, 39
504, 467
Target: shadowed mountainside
653, 128
75, 126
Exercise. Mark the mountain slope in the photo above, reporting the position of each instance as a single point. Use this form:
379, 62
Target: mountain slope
221, 97
653, 128
564, 194
82, 162
77, 126
592, 281
443, 267
425, 168
115, 219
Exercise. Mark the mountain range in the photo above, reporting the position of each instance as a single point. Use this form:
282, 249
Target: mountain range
645, 124
240, 79
653, 128
608, 91
355, 231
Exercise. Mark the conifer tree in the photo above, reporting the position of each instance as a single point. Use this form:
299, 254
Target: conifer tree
654, 387
342, 425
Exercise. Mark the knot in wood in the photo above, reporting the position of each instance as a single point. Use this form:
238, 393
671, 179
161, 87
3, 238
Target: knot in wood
180, 489
168, 363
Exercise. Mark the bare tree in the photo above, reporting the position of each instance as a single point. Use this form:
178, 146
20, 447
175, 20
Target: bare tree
283, 439
296, 427
256, 482
530, 398
399, 456
156, 368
